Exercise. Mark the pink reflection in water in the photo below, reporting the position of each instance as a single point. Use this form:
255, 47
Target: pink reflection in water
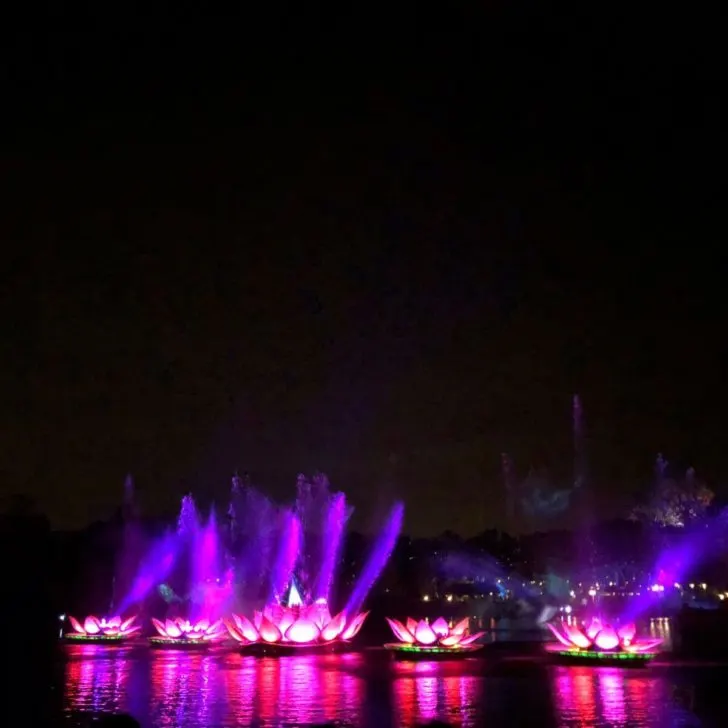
184, 688
427, 691
96, 679
587, 696
195, 689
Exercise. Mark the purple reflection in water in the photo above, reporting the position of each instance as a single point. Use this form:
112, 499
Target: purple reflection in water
427, 691
230, 689
611, 697
96, 679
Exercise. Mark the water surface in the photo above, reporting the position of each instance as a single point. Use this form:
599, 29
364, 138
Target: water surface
177, 688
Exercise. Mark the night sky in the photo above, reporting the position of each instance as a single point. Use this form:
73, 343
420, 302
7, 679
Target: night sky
385, 244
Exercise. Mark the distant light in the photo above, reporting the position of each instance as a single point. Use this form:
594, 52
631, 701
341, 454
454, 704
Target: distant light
657, 588
426, 598
703, 586
592, 592
572, 594
677, 585
61, 617
567, 608
721, 597
448, 597
692, 586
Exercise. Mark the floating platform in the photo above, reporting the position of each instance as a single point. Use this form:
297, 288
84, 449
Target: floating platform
286, 649
95, 639
167, 643
418, 652
596, 658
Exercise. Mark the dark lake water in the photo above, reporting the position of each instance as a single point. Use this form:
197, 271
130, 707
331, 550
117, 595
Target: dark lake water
165, 688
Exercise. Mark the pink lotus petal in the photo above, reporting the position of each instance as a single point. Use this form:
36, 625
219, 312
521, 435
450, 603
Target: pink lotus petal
643, 645
110, 631
440, 628
214, 628
114, 622
576, 636
126, 624
607, 639
257, 619
91, 625
334, 628
173, 629
424, 634
451, 640
354, 626
234, 632
268, 631
132, 630
470, 639
212, 636
400, 631
626, 633
246, 628
564, 640
595, 626
76, 625
202, 625
159, 627
287, 619
323, 615
461, 627
411, 625
303, 632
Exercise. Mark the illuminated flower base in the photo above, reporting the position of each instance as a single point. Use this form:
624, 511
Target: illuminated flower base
181, 633
600, 642
421, 638
282, 629
94, 629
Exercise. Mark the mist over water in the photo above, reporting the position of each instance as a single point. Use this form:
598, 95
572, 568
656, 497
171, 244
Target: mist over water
205, 569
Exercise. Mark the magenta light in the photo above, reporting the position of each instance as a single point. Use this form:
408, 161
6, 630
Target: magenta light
182, 630
312, 625
437, 634
303, 631
602, 637
112, 627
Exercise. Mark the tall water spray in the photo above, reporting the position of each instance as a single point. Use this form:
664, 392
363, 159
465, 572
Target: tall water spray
155, 567
331, 537
289, 548
255, 525
380, 554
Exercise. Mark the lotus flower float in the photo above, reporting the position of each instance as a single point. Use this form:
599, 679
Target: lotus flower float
94, 629
305, 626
185, 633
601, 640
421, 636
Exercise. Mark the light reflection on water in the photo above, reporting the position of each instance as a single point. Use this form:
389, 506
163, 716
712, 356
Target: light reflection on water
168, 688
603, 696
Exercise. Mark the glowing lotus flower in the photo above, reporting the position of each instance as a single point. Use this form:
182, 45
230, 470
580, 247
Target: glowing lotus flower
310, 625
602, 637
438, 634
182, 630
110, 629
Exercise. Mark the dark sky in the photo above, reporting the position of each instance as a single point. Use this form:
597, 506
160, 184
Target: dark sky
386, 243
